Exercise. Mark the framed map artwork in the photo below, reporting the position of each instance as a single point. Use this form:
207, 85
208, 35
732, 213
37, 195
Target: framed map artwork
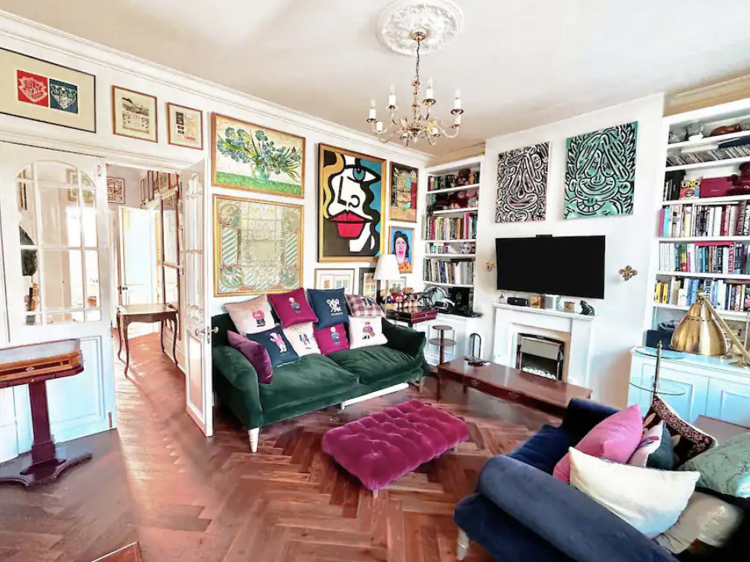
258, 246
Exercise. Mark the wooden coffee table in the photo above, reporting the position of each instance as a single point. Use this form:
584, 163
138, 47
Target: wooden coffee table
513, 385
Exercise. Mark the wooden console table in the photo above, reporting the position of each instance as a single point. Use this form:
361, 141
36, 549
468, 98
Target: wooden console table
513, 385
35, 365
411, 317
148, 314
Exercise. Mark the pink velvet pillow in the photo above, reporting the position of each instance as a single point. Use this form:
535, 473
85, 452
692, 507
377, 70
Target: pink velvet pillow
292, 308
255, 353
614, 439
332, 339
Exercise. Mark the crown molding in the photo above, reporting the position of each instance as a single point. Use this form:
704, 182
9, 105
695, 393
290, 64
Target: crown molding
708, 95
39, 35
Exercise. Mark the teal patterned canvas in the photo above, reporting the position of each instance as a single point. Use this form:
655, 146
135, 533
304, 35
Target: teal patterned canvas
600, 173
258, 246
726, 468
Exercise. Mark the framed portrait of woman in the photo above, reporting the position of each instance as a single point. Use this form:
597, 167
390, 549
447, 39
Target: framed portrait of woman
401, 244
351, 205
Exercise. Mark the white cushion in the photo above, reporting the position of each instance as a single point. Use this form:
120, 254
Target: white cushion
706, 519
252, 316
650, 500
650, 442
364, 332
302, 338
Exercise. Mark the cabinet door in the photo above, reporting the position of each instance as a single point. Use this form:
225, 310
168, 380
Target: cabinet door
729, 402
690, 404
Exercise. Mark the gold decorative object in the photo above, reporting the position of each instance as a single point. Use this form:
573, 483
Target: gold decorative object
490, 266
628, 273
536, 301
569, 306
704, 332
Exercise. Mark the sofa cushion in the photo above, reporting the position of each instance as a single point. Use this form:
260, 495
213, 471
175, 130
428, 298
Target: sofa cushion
251, 316
371, 364
311, 378
332, 339
255, 353
544, 449
278, 347
292, 307
329, 306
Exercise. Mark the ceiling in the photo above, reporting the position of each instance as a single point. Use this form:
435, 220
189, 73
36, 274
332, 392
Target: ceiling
518, 64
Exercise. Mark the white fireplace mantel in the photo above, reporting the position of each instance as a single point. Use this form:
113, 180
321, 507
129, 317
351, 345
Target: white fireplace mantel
575, 330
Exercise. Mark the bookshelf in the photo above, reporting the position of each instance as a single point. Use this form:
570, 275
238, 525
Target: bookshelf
703, 243
450, 233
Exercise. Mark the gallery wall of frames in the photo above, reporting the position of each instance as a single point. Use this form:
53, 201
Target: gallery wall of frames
268, 165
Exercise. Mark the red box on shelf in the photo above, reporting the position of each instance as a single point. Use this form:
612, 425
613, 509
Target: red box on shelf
715, 187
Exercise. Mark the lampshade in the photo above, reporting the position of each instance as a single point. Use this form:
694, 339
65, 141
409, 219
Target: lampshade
387, 268
699, 332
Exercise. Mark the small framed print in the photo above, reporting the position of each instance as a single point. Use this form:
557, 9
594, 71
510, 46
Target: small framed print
185, 126
367, 287
399, 285
335, 279
116, 190
134, 115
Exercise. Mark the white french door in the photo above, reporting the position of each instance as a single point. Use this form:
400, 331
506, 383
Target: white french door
197, 329
56, 272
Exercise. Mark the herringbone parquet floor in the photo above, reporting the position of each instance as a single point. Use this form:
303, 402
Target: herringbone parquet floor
186, 498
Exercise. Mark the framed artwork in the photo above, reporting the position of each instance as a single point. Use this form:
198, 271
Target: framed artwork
522, 184
403, 196
134, 115
162, 182
185, 126
600, 173
351, 201
255, 158
367, 287
88, 194
43, 91
258, 246
399, 285
401, 243
335, 279
115, 190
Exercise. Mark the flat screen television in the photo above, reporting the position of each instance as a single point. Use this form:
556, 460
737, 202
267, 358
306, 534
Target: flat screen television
570, 266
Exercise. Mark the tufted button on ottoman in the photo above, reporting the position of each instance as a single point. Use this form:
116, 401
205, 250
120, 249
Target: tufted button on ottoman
382, 447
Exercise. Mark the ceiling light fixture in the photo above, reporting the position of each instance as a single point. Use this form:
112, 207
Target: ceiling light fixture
408, 27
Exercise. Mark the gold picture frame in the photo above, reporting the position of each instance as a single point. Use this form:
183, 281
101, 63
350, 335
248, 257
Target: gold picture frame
143, 107
253, 178
395, 213
176, 132
326, 254
227, 279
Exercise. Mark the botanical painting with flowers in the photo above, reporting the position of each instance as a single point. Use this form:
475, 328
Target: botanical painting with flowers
255, 158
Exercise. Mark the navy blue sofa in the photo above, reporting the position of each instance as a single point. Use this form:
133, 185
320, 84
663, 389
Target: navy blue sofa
522, 513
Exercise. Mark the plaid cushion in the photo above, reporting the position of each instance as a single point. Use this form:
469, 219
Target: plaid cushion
364, 307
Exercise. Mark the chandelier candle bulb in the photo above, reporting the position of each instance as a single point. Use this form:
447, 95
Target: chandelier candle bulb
373, 114
457, 101
379, 126
392, 97
457, 120
430, 93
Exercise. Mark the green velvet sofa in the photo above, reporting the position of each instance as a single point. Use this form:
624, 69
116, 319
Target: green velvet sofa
314, 381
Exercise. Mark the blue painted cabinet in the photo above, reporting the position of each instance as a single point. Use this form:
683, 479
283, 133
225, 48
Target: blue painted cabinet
729, 401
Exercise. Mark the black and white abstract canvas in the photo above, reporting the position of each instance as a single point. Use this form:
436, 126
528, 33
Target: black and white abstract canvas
600, 173
522, 184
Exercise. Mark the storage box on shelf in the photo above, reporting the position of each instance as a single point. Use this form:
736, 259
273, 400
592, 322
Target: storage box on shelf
451, 223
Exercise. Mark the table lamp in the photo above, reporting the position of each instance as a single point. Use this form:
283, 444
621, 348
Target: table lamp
386, 270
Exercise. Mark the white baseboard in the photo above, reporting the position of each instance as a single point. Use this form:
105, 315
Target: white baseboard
381, 392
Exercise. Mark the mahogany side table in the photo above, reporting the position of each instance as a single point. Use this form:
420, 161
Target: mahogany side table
35, 365
145, 313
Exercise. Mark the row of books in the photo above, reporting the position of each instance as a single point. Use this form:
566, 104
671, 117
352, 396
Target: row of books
451, 250
712, 155
723, 295
454, 272
451, 228
705, 257
705, 220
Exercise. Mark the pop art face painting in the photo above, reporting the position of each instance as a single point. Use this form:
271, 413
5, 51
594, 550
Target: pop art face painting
350, 202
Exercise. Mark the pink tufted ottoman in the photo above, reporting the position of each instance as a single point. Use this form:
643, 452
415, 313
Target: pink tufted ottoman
382, 447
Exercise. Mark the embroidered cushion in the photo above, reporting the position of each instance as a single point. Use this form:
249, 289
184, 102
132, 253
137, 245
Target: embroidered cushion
649, 444
364, 307
255, 353
613, 439
302, 338
663, 457
277, 345
292, 308
688, 441
726, 468
332, 339
329, 306
364, 332
251, 316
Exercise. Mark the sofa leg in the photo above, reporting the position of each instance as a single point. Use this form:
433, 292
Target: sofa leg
253, 435
463, 545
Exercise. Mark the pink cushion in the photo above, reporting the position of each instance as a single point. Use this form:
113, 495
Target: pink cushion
332, 339
255, 353
614, 439
292, 308
384, 446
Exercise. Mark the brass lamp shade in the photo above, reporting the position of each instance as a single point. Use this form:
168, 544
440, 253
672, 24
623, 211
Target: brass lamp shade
699, 332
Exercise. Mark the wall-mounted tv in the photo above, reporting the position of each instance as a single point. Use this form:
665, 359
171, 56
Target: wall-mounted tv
570, 266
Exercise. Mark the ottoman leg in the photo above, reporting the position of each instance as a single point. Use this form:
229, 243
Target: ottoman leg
374, 494
253, 435
463, 545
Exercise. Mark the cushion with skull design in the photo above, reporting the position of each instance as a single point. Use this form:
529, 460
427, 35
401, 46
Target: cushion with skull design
277, 345
292, 308
329, 306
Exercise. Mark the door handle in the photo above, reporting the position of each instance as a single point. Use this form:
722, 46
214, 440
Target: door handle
206, 331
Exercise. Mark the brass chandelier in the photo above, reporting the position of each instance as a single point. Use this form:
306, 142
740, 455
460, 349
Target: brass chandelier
420, 124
